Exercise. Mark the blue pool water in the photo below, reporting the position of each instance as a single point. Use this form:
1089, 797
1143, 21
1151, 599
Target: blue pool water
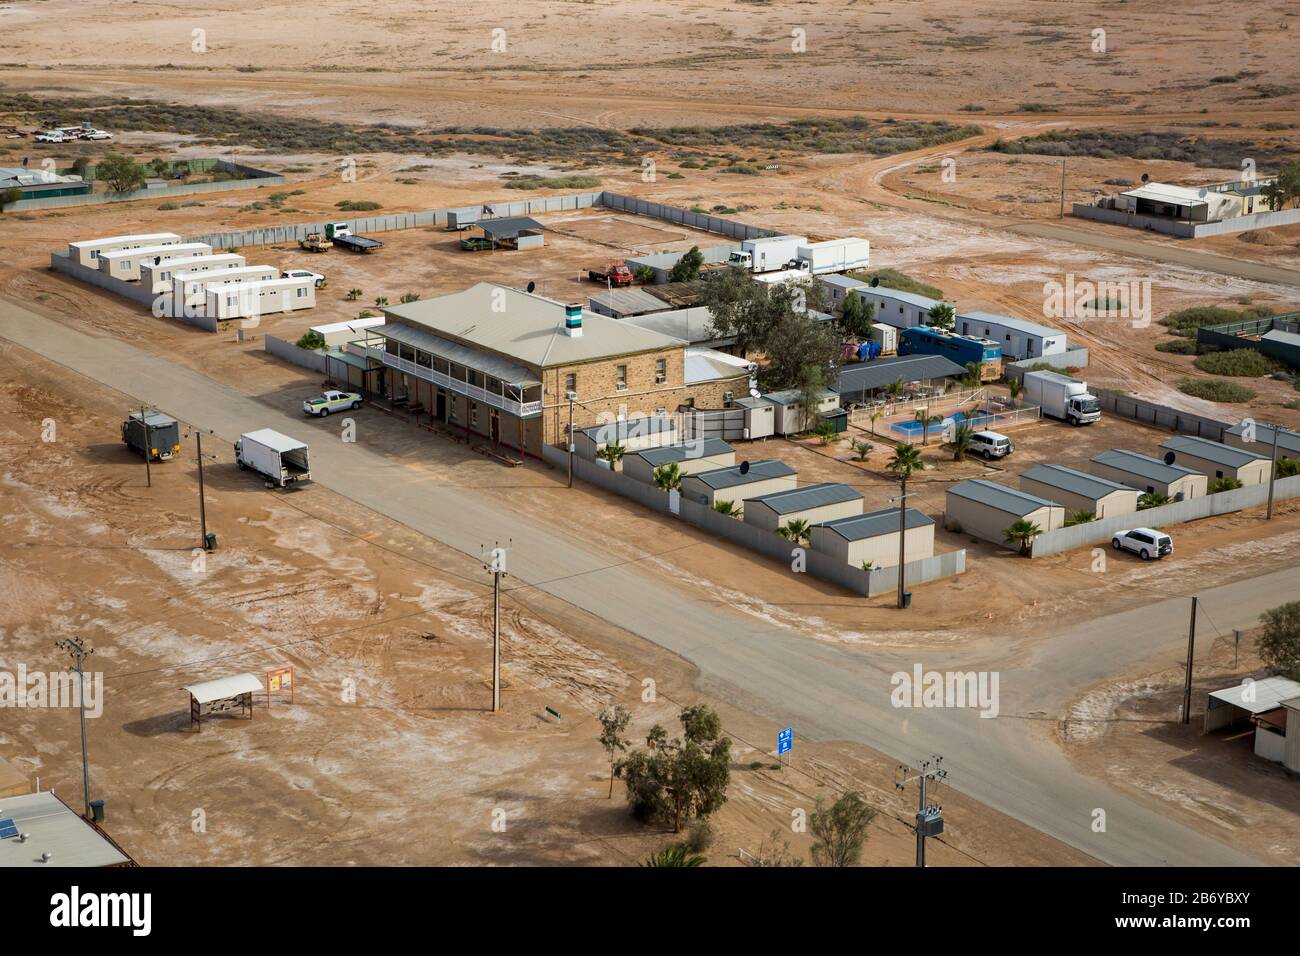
914, 427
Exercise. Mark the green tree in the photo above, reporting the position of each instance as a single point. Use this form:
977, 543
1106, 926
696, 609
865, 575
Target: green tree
728, 508
942, 316
1287, 468
1079, 517
962, 436
825, 432
1152, 499
1279, 642
159, 167
1015, 386
312, 341
687, 267
1022, 532
671, 781
668, 477
862, 450
1284, 189
857, 316
927, 422
676, 854
613, 722
905, 461
973, 376
840, 830
121, 173
80, 166
1223, 484
644, 274
9, 196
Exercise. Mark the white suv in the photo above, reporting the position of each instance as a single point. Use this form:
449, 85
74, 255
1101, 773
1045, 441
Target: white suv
991, 445
316, 277
1144, 542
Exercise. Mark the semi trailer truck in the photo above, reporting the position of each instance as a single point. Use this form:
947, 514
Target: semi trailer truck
1061, 397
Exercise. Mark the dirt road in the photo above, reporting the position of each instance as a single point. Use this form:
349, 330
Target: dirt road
825, 691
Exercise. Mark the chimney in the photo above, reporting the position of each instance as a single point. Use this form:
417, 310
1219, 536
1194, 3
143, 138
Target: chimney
573, 321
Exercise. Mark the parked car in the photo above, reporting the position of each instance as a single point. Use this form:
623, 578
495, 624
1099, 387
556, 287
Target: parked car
1147, 543
316, 277
98, 134
331, 401
51, 136
991, 445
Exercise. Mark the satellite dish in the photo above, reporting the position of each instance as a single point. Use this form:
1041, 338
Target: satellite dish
744, 467
157, 260
875, 281
532, 286
755, 393
1169, 458
1146, 178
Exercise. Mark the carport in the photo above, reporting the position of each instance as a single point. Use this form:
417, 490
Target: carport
514, 232
1247, 700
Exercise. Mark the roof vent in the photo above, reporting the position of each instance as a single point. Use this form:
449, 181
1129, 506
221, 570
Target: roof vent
573, 321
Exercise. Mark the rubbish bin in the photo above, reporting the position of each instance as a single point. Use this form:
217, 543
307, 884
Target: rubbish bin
907, 599
211, 541
97, 810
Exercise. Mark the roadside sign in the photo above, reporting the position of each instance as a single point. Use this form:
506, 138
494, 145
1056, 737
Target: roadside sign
784, 741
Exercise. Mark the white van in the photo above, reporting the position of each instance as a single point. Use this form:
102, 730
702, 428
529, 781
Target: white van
991, 445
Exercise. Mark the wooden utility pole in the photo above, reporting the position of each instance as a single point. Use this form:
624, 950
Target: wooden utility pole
929, 817
203, 507
79, 652
902, 536
1272, 473
496, 565
1191, 648
1062, 216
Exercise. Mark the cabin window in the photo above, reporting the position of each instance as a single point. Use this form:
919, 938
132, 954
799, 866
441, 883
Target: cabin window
620, 377
570, 382
661, 371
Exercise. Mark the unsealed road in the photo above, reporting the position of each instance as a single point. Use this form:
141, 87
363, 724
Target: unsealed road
823, 690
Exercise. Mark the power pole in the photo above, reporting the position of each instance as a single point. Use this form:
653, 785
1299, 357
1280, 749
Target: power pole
1062, 216
1191, 647
929, 816
570, 439
1272, 473
496, 565
203, 505
79, 652
148, 472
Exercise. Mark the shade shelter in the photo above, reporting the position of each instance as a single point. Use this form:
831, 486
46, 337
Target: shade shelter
224, 695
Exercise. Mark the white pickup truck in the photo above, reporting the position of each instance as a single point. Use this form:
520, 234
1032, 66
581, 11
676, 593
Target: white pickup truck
328, 402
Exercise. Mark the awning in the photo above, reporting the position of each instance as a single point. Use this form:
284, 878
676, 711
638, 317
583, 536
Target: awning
1264, 695
225, 687
497, 368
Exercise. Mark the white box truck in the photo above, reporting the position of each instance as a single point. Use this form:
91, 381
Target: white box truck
1061, 397
277, 458
833, 255
767, 254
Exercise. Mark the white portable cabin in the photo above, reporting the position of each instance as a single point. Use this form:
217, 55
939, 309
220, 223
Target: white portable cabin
125, 263
1019, 338
159, 277
902, 310
339, 334
190, 288
247, 300
86, 251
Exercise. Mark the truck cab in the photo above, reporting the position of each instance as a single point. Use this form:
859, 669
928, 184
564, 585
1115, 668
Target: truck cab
1083, 409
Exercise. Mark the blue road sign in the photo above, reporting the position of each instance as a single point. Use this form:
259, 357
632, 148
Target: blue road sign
784, 741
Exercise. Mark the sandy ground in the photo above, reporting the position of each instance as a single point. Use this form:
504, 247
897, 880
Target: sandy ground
1128, 730
412, 769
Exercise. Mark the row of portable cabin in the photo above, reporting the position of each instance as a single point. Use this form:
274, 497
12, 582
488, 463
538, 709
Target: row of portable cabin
221, 285
1016, 338
1048, 494
767, 494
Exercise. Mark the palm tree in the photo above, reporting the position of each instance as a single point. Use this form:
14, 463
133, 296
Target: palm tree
1023, 532
728, 508
972, 377
796, 530
668, 477
1079, 517
861, 449
676, 854
896, 387
612, 453
1152, 499
1015, 386
907, 459
875, 415
961, 439
926, 419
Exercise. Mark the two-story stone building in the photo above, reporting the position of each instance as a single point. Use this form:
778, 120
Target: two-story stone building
501, 363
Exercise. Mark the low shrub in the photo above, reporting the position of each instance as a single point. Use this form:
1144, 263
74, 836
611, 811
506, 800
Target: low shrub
1177, 346
1240, 363
1216, 390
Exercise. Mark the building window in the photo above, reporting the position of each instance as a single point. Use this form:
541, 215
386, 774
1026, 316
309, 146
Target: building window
661, 371
726, 398
570, 383
124, 265
620, 377
473, 415
301, 293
